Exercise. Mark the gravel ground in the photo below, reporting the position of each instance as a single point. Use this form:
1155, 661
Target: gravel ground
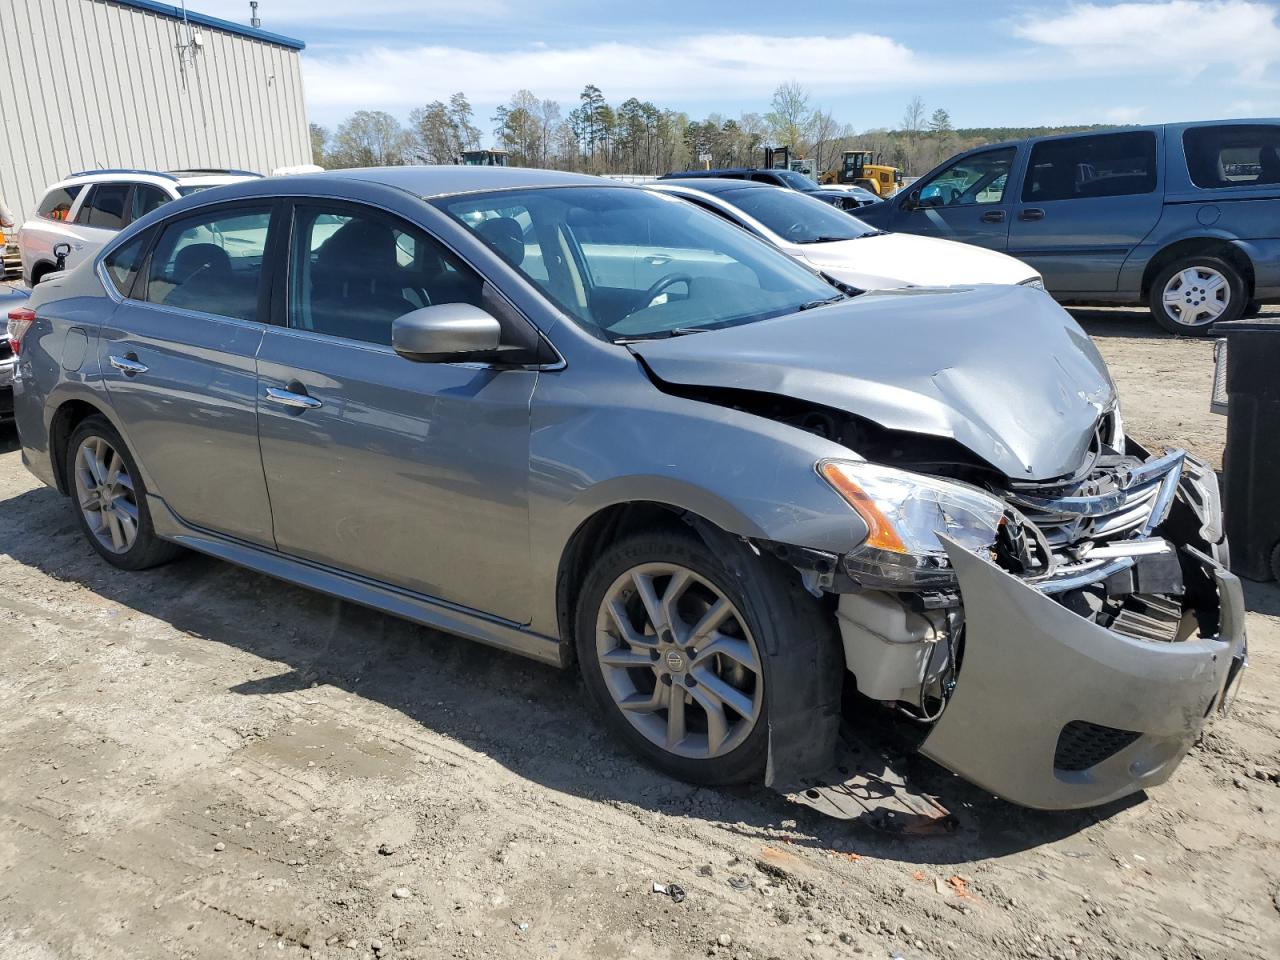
198, 761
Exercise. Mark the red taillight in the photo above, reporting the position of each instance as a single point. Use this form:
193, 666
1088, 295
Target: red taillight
20, 320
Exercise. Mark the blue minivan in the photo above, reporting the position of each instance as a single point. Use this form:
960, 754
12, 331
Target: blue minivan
1184, 217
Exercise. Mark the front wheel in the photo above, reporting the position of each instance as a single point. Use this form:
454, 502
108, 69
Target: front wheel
669, 642
1193, 293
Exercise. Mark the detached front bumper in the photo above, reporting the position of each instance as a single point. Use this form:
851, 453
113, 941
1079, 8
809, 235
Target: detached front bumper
1043, 693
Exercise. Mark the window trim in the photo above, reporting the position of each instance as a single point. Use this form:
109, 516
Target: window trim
1028, 177
271, 204
282, 277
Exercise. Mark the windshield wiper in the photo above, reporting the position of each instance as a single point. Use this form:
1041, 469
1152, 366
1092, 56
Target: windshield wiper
822, 303
823, 239
664, 334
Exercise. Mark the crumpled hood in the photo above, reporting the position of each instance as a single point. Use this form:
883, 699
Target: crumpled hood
1003, 370
888, 260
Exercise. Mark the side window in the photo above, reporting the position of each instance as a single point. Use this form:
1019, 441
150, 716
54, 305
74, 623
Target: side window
1108, 165
211, 262
145, 199
105, 206
123, 262
351, 274
56, 204
1233, 155
976, 179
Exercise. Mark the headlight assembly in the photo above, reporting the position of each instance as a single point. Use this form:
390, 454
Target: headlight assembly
904, 513
1037, 282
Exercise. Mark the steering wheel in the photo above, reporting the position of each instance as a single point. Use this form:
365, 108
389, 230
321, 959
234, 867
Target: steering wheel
955, 194
796, 229
656, 288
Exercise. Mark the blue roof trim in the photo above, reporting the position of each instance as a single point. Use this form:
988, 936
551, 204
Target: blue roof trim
215, 23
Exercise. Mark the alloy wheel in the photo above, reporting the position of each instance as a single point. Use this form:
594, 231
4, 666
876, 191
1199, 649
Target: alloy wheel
104, 492
679, 661
1196, 296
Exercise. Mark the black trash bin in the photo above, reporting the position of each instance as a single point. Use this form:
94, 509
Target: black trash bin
1251, 463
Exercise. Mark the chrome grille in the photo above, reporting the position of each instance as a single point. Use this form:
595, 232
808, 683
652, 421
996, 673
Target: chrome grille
1119, 497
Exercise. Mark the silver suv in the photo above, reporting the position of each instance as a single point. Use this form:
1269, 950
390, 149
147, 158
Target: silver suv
601, 427
85, 210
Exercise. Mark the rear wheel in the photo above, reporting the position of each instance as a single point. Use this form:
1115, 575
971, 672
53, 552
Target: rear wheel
110, 499
1193, 293
671, 646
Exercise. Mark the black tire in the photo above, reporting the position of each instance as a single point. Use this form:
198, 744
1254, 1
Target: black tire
1237, 299
1252, 310
147, 550
771, 607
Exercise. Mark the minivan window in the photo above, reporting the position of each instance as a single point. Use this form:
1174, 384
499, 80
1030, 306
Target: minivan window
977, 178
1233, 155
105, 206
1106, 165
56, 204
352, 274
211, 263
660, 266
123, 262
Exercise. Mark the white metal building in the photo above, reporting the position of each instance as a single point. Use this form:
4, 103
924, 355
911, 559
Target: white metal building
139, 84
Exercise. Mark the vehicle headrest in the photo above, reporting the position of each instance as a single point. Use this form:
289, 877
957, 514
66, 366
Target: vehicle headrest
359, 246
200, 256
505, 236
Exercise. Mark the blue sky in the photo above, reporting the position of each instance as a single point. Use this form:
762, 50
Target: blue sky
989, 63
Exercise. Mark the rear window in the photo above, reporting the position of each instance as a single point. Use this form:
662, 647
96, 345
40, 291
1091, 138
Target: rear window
105, 207
1108, 165
1233, 156
56, 204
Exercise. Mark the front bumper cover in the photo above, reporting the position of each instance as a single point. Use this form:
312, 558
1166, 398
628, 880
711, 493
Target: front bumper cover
1031, 667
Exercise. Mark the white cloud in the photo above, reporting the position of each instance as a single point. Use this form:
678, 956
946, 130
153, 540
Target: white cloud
1180, 38
668, 71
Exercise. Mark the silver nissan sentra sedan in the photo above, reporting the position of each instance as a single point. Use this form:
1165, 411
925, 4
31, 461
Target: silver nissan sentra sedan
605, 429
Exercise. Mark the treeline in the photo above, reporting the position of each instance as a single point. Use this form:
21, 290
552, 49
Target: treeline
639, 137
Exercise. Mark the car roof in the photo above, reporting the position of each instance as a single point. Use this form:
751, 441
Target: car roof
437, 180
715, 185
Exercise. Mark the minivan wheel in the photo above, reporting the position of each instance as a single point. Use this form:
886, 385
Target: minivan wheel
1193, 293
669, 643
110, 499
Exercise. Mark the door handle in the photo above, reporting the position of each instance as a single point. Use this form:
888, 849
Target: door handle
657, 259
993, 216
1031, 213
128, 365
288, 398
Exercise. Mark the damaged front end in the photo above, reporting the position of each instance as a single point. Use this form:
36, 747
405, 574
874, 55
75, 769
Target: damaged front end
1071, 656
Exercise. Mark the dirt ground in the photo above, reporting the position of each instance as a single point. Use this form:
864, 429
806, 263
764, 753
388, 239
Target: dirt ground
199, 761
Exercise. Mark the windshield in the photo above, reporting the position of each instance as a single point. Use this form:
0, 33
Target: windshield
797, 181
797, 219
630, 264
187, 190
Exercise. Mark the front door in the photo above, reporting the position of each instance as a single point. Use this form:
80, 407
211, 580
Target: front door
178, 360
1085, 204
968, 201
411, 474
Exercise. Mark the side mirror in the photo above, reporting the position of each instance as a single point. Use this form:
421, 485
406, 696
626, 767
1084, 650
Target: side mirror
60, 252
444, 333
913, 200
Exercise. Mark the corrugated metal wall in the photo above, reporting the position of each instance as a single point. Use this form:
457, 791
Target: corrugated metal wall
90, 83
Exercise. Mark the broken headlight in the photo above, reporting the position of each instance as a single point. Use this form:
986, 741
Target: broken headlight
904, 513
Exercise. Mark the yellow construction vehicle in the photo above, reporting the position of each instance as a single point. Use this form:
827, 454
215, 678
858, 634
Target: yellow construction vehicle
860, 167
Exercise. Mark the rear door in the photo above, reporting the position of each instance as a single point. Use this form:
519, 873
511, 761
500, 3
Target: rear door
969, 200
178, 360
1086, 202
103, 213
